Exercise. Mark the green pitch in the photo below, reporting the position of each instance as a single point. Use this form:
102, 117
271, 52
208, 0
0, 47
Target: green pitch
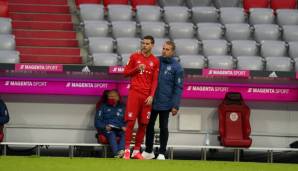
100, 164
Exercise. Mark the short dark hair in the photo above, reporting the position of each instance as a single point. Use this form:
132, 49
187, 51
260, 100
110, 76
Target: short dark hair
151, 38
171, 43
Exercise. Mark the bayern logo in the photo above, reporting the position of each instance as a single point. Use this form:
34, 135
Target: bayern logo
151, 64
130, 114
234, 116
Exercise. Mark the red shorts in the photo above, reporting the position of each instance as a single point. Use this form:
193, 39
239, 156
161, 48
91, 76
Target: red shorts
136, 107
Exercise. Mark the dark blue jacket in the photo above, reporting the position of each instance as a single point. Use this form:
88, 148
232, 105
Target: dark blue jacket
170, 85
108, 114
4, 115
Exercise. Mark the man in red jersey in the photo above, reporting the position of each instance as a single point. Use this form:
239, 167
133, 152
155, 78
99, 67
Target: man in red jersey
142, 68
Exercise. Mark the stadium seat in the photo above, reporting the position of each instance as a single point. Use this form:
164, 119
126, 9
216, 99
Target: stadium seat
273, 48
250, 63
5, 25
148, 13
181, 30
155, 29
279, 63
192, 61
204, 14
229, 15
101, 45
226, 3
187, 46
293, 49
287, 16
9, 56
176, 14
119, 13
239, 31
91, 12
7, 42
3, 9
247, 4
296, 64
126, 45
233, 118
244, 48
290, 33
164, 3
195, 3
135, 3
124, 58
266, 32
111, 2
220, 62
158, 45
105, 59
102, 139
210, 31
214, 47
96, 28
283, 4
79, 2
124, 29
261, 16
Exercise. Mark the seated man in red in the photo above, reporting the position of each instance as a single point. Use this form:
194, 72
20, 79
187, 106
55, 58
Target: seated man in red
4, 118
109, 120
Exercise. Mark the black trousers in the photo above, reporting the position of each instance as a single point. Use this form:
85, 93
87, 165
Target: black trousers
164, 131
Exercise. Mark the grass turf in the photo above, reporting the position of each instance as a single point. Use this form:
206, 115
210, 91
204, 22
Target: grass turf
82, 164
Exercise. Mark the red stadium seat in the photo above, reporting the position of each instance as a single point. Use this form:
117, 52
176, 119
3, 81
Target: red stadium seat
134, 3
234, 125
283, 4
102, 139
3, 8
247, 4
78, 2
108, 2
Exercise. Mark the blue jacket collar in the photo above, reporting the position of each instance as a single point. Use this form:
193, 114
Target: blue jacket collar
166, 59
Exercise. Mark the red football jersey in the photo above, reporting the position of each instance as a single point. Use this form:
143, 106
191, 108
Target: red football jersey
143, 81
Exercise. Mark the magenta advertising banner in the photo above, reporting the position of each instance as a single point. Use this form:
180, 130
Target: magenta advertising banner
191, 90
249, 92
54, 87
226, 73
39, 67
116, 69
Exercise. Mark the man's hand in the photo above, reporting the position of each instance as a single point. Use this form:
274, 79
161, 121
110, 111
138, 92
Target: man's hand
141, 67
149, 100
108, 128
174, 111
123, 128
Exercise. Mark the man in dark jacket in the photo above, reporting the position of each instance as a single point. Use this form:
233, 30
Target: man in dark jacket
166, 99
109, 120
4, 117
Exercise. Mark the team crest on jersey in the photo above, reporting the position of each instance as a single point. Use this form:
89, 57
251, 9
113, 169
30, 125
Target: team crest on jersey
130, 114
169, 68
151, 64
